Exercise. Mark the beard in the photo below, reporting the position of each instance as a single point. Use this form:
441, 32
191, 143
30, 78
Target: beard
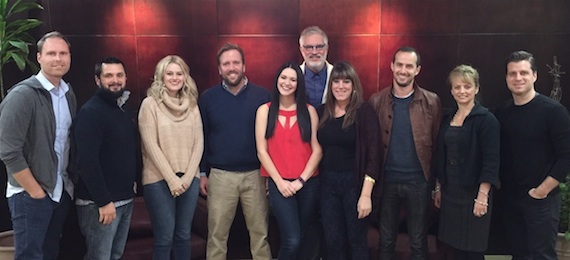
233, 83
316, 65
113, 94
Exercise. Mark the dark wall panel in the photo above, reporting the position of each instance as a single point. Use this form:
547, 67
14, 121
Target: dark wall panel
156, 18
258, 17
362, 52
92, 17
419, 17
515, 16
341, 17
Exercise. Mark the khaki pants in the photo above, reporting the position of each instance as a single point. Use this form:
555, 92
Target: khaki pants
225, 190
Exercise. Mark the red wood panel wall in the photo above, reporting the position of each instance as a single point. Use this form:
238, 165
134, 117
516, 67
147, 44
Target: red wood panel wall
364, 32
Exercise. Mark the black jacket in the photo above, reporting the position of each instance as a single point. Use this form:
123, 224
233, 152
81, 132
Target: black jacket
106, 139
479, 148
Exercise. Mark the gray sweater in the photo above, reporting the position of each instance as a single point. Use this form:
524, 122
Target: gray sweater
27, 132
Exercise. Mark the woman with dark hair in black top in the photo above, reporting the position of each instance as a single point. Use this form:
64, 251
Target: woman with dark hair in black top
348, 133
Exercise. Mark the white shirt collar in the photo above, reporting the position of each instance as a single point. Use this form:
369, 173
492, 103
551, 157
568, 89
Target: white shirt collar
47, 85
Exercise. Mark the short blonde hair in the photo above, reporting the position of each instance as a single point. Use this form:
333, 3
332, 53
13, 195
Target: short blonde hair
465, 72
158, 89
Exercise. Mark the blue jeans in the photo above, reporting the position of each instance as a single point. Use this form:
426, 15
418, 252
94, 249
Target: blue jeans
293, 214
171, 219
104, 241
531, 226
345, 236
416, 199
37, 225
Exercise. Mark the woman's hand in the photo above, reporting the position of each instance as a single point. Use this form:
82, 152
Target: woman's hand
481, 203
286, 188
437, 199
480, 206
297, 185
364, 206
178, 188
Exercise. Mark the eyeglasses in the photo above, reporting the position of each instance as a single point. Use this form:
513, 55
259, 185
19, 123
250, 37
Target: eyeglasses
319, 47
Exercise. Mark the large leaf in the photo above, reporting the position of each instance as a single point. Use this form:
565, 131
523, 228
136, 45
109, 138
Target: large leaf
19, 7
19, 59
21, 25
14, 36
21, 45
3, 4
2, 29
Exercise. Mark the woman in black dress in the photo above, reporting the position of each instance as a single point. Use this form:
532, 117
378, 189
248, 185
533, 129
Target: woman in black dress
467, 168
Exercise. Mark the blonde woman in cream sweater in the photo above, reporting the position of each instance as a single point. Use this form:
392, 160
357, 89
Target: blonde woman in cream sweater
172, 146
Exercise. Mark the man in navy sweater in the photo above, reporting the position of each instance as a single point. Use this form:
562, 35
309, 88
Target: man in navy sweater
106, 141
535, 158
228, 115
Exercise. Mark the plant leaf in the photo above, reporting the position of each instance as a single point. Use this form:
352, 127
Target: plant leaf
20, 61
14, 36
19, 7
21, 25
22, 46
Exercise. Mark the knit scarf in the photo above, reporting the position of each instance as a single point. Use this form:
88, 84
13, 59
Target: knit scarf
177, 109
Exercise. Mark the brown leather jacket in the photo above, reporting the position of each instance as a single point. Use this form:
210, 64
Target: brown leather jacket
425, 116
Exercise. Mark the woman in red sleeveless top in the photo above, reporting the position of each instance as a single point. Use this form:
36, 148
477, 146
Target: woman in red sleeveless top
287, 147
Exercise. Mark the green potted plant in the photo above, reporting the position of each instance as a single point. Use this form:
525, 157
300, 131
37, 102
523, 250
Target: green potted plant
14, 37
14, 47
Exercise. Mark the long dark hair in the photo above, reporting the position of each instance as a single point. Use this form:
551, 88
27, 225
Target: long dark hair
343, 70
303, 118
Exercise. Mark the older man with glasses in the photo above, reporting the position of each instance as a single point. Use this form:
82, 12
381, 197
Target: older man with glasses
314, 46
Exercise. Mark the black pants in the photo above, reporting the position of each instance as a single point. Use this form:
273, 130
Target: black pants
345, 236
531, 225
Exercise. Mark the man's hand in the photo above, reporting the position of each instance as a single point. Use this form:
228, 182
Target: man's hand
204, 185
29, 183
107, 213
39, 194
